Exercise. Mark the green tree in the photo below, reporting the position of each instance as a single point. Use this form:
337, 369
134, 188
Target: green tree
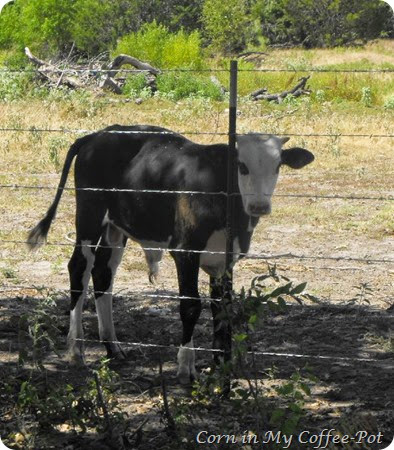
323, 23
227, 24
99, 23
174, 14
50, 27
43, 25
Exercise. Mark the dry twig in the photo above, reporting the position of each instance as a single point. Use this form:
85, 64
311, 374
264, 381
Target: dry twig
298, 90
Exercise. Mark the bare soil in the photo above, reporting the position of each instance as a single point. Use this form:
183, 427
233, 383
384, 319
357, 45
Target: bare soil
335, 338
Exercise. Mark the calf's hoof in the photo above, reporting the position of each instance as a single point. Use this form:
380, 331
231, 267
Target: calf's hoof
76, 359
186, 369
115, 351
186, 378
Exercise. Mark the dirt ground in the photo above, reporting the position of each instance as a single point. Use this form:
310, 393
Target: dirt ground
348, 347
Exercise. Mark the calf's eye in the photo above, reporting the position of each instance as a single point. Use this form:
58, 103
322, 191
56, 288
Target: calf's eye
242, 168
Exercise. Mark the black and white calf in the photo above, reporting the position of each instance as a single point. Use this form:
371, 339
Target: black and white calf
157, 159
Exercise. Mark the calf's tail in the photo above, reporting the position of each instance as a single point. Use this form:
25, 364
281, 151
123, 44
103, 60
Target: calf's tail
37, 236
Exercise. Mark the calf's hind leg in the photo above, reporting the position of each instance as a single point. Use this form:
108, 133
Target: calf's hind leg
108, 257
89, 217
79, 267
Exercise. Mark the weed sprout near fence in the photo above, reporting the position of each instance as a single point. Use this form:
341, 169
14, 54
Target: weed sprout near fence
229, 194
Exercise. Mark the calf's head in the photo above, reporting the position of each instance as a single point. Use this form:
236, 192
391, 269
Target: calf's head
259, 161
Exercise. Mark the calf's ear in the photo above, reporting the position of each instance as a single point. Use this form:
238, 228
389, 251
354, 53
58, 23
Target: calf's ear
296, 157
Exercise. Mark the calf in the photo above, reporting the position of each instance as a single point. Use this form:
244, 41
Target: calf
112, 167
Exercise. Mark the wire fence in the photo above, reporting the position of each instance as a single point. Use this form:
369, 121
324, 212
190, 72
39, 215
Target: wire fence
211, 70
252, 353
249, 255
165, 295
195, 133
221, 193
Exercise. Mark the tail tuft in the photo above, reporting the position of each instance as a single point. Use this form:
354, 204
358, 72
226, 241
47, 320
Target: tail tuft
38, 235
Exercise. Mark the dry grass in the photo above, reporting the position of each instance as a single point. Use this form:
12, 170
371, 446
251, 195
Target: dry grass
347, 166
377, 52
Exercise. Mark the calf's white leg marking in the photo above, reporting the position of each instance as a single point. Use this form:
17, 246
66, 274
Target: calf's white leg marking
186, 363
76, 347
104, 301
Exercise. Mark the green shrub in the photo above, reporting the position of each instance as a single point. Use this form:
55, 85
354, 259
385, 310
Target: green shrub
366, 96
14, 86
13, 58
134, 83
135, 86
389, 102
181, 85
155, 44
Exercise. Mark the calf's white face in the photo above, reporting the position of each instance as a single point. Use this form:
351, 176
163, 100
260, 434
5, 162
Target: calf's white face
259, 160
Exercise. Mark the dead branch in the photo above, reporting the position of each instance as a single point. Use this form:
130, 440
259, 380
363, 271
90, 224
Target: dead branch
171, 426
38, 62
298, 90
121, 60
251, 53
51, 73
109, 81
259, 92
217, 83
92, 74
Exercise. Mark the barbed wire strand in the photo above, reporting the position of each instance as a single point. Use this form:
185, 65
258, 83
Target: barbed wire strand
221, 193
114, 293
261, 70
256, 256
173, 133
321, 303
213, 350
351, 173
306, 267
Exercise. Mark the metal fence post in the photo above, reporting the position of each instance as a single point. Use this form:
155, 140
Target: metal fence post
231, 172
231, 179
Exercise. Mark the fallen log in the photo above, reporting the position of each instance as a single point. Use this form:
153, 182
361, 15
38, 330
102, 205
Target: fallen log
122, 59
109, 81
298, 90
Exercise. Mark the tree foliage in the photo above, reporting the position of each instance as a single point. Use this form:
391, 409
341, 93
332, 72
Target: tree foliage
44, 24
227, 24
323, 23
51, 27
98, 23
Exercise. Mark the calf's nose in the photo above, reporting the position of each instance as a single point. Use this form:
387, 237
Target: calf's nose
260, 209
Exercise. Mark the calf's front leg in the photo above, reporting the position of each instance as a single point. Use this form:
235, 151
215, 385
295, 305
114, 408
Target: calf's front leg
187, 265
221, 310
